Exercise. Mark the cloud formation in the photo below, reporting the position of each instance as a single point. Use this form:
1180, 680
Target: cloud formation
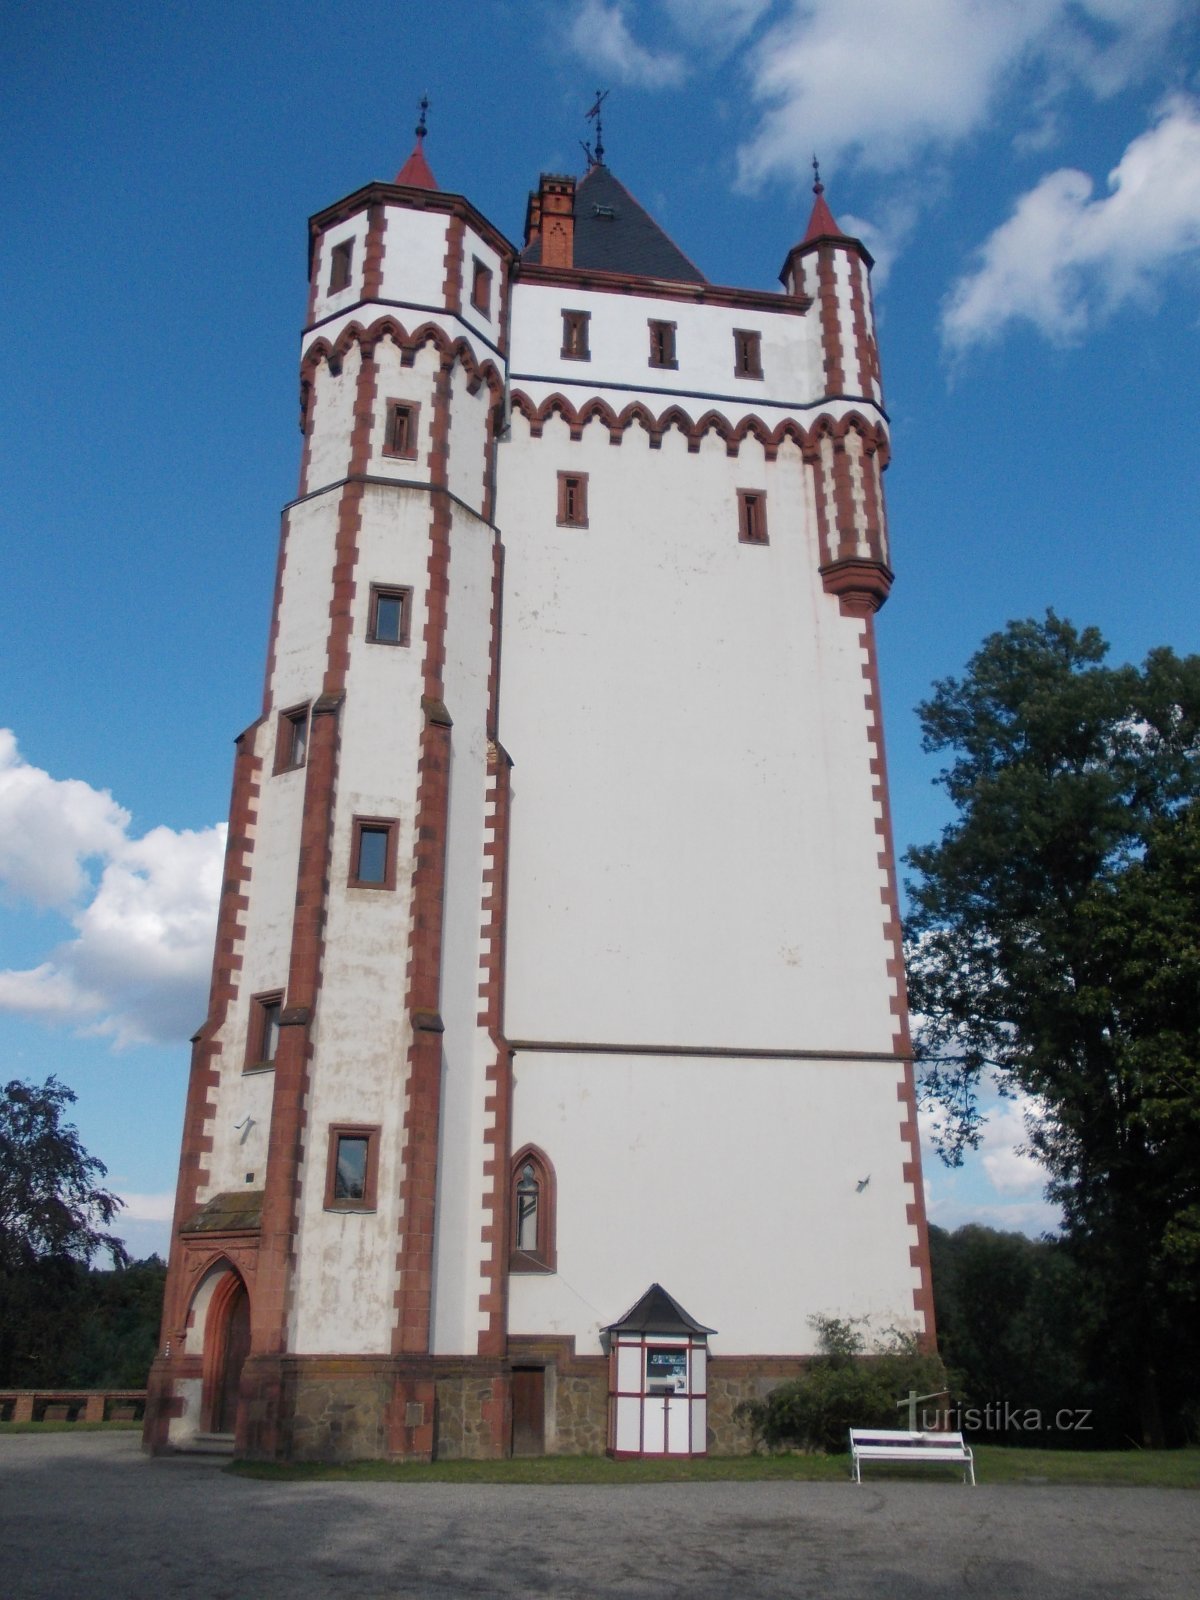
143, 910
926, 75
1066, 260
599, 35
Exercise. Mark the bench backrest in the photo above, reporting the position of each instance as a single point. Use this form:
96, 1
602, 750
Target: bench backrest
901, 1436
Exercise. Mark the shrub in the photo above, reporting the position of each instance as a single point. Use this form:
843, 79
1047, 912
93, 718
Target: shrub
844, 1387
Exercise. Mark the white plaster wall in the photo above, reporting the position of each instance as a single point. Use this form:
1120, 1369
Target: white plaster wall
332, 420
395, 381
620, 349
414, 258
475, 247
344, 1283
468, 439
694, 853
467, 1050
733, 1183
355, 228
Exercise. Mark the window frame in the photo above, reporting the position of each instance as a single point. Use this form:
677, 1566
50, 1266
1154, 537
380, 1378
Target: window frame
663, 350
481, 287
747, 353
411, 410
544, 1258
752, 516
341, 266
294, 726
387, 825
258, 1030
572, 485
577, 324
390, 591
369, 1200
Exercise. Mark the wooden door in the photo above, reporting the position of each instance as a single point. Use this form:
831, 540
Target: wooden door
233, 1358
528, 1411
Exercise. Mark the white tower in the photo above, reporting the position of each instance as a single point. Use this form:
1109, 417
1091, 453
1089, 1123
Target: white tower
559, 950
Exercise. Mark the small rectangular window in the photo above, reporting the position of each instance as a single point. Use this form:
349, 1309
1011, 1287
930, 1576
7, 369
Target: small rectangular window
262, 1038
752, 516
291, 740
340, 261
662, 344
400, 429
572, 500
390, 614
351, 1178
373, 853
481, 288
575, 335
747, 353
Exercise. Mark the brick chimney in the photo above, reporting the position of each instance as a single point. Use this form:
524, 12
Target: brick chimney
551, 217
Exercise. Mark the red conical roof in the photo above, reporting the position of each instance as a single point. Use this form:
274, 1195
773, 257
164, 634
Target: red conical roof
822, 222
416, 171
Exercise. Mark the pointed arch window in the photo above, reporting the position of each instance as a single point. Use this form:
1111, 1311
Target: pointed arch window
532, 1207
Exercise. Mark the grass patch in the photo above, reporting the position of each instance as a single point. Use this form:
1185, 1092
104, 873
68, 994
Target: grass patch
994, 1464
70, 1427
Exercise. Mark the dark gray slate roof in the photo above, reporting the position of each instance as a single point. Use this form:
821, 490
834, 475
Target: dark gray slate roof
657, 1312
614, 234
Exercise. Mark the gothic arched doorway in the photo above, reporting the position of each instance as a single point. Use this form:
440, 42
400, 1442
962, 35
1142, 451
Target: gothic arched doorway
226, 1346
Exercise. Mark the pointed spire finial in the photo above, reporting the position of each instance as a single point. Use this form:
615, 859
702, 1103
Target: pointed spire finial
818, 186
596, 160
422, 130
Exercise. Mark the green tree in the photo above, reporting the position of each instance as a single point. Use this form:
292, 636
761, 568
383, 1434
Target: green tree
54, 1218
1052, 948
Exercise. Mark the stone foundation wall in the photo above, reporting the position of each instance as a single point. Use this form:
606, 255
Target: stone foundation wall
737, 1378
338, 1412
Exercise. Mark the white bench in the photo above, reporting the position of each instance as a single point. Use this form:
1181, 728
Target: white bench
892, 1444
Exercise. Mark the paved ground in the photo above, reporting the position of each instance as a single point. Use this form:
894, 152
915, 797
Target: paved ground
89, 1516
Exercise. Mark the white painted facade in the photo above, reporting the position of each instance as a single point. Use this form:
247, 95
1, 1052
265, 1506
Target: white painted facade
689, 1002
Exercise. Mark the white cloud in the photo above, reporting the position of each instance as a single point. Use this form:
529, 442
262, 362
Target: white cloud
1065, 260
599, 35
49, 827
1009, 1168
137, 968
147, 1207
907, 78
717, 25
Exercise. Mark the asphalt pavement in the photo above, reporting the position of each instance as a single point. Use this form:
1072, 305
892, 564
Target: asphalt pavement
87, 1515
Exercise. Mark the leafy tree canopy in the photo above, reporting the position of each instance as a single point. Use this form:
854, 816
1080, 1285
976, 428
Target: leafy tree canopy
52, 1207
1053, 942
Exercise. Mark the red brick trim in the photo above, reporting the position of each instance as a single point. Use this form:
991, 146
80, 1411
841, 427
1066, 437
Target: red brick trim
437, 202
893, 935
865, 353
373, 256
834, 360
207, 1047
285, 1149
498, 1076
574, 279
597, 410
452, 288
414, 1297
353, 333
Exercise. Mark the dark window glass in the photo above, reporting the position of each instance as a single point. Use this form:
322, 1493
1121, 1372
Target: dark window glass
372, 855
270, 1030
339, 266
389, 618
299, 738
350, 1173
527, 1208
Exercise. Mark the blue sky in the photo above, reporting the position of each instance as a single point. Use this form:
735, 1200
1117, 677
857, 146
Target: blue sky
1027, 173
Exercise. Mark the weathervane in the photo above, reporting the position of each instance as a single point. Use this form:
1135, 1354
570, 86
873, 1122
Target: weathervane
818, 186
421, 128
596, 160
